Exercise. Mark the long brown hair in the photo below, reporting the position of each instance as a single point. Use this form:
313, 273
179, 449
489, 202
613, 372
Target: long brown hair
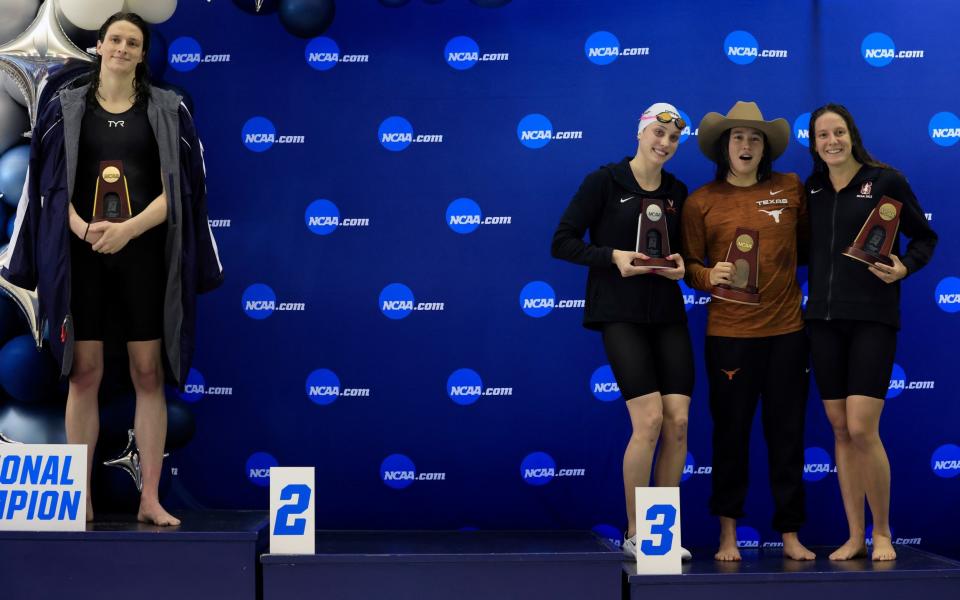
858, 150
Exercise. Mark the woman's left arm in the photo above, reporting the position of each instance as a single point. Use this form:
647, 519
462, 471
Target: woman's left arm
117, 235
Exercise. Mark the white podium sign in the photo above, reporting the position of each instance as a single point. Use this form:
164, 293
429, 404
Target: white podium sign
43, 487
292, 520
658, 531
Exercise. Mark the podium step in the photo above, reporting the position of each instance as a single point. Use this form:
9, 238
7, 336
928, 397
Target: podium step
210, 555
466, 565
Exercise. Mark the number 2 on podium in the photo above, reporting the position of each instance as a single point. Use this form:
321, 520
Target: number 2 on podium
297, 527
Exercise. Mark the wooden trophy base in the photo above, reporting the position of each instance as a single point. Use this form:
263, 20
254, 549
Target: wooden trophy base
867, 258
654, 263
740, 296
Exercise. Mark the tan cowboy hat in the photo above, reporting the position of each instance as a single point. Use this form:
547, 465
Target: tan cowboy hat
743, 114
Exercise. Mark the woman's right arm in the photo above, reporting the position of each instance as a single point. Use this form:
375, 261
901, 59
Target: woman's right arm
583, 211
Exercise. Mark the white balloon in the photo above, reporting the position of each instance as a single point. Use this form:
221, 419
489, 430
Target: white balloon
89, 14
10, 86
16, 14
14, 122
152, 11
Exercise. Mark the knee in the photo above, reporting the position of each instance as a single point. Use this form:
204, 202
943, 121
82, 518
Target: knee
841, 433
146, 375
675, 427
647, 427
86, 375
862, 436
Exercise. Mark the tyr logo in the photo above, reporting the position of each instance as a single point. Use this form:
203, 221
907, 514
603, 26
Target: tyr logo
113, 124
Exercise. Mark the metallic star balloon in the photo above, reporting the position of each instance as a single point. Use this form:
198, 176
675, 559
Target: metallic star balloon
5, 440
25, 300
38, 53
129, 460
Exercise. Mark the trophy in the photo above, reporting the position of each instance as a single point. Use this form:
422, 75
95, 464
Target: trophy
111, 200
876, 237
652, 238
744, 253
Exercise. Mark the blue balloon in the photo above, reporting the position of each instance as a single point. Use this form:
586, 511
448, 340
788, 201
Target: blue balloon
13, 173
28, 376
306, 18
250, 6
393, 3
33, 424
10, 223
490, 3
180, 424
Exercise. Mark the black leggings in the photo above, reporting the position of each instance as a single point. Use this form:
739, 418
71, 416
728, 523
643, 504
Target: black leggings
852, 357
741, 372
649, 358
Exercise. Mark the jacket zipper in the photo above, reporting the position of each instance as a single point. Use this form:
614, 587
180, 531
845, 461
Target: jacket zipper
833, 241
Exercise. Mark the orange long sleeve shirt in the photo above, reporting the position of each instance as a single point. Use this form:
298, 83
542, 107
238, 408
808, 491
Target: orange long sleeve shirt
776, 208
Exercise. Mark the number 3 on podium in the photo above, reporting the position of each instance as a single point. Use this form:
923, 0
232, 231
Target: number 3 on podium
658, 531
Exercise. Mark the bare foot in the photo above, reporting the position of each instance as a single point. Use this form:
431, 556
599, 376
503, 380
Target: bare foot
156, 515
883, 547
728, 550
853, 548
792, 548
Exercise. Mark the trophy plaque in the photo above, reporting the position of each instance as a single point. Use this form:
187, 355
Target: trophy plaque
652, 237
111, 200
744, 253
875, 240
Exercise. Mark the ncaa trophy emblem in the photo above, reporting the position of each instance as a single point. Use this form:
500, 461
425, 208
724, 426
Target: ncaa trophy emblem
652, 237
875, 239
111, 200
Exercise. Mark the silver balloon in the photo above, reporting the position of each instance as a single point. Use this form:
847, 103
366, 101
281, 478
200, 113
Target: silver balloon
16, 16
25, 300
13, 122
10, 86
37, 53
129, 460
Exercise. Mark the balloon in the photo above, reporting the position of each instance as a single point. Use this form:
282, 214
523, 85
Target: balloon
258, 7
13, 123
25, 300
393, 3
491, 3
85, 39
33, 424
89, 14
10, 223
180, 424
17, 14
26, 374
36, 55
13, 173
10, 87
306, 18
152, 11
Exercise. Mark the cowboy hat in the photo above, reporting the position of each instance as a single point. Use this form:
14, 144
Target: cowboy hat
743, 114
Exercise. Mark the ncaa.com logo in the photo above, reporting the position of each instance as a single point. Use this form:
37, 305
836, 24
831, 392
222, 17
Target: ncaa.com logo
536, 131
537, 299
397, 302
185, 55
690, 468
816, 464
602, 48
323, 54
687, 132
218, 223
604, 385
323, 387
259, 135
258, 468
801, 129
945, 461
879, 50
398, 471
196, 388
464, 387
462, 53
742, 48
898, 383
396, 133
692, 297
944, 129
747, 537
539, 468
259, 302
947, 295
608, 532
322, 217
464, 216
